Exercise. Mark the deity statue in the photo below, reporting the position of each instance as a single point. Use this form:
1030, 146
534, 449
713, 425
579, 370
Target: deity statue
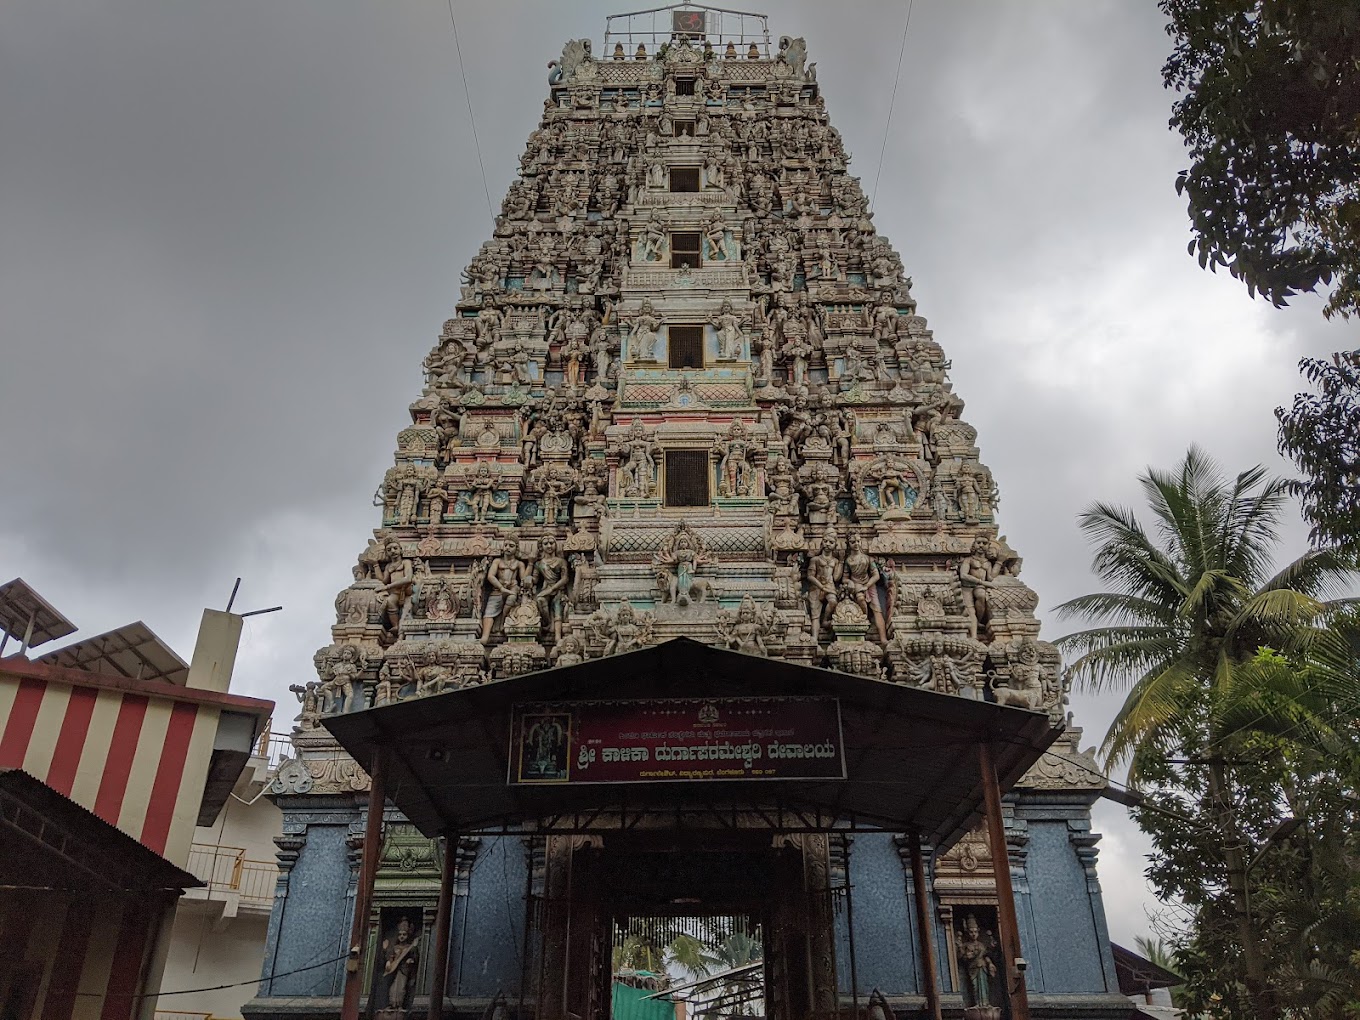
976, 574
1026, 686
568, 651
644, 335
892, 486
763, 348
747, 632
859, 579
397, 579
553, 575
490, 322
310, 703
401, 957
966, 488
637, 464
782, 496
728, 325
481, 489
652, 242
680, 555
796, 352
736, 476
822, 573
574, 357
602, 352
504, 575
628, 630
882, 319
715, 233
975, 951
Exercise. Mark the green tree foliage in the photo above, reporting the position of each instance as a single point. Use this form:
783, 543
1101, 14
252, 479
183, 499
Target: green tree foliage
1270, 112
1187, 609
1321, 434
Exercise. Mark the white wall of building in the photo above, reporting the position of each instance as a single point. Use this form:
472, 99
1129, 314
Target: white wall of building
219, 932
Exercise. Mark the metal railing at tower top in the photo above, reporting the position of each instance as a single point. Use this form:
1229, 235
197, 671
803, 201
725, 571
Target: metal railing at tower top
715, 27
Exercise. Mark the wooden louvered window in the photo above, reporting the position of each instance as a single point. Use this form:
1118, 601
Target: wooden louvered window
687, 478
685, 250
685, 346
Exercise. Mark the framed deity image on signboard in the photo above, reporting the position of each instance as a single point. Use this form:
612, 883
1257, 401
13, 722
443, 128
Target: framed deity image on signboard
544, 745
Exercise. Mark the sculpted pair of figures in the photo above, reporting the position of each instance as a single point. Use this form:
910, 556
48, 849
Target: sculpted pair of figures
510, 581
831, 579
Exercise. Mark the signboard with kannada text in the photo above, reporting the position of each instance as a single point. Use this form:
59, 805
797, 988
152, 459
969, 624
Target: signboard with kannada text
676, 740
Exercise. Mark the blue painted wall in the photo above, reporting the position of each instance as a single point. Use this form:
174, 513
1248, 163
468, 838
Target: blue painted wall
885, 928
1063, 927
312, 924
491, 939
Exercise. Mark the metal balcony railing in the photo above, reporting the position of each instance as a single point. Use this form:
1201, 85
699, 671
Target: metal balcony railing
228, 869
274, 746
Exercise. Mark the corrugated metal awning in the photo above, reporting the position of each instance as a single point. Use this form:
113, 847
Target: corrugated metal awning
911, 755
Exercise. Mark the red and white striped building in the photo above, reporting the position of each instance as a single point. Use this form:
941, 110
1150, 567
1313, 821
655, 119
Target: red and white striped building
92, 855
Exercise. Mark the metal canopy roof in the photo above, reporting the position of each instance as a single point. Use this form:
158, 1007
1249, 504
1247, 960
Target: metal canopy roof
911, 755
19, 604
132, 651
49, 841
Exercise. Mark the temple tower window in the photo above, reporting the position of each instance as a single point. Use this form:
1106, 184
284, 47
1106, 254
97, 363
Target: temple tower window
685, 346
686, 478
685, 250
684, 179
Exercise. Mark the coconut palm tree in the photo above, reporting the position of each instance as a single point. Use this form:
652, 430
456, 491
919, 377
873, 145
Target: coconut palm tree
1186, 610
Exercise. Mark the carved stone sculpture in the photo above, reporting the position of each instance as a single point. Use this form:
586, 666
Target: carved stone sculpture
401, 958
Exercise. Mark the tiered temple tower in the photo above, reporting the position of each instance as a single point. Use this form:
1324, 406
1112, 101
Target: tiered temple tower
686, 391
686, 380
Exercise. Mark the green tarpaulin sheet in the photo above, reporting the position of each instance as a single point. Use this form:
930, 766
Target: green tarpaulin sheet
633, 1004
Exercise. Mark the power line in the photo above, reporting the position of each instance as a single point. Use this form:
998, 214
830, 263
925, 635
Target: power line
891, 102
467, 95
217, 988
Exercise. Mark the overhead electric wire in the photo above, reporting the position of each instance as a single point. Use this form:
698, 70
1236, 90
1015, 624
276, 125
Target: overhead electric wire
467, 95
213, 988
891, 102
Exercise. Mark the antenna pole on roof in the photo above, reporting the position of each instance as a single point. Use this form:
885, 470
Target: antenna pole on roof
257, 612
234, 589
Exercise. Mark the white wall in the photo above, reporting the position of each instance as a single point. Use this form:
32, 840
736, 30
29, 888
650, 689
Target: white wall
218, 938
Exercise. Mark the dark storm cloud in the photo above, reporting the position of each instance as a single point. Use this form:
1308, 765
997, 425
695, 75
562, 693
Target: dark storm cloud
230, 232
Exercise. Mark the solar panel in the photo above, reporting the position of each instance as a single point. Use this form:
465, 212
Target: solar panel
24, 611
132, 651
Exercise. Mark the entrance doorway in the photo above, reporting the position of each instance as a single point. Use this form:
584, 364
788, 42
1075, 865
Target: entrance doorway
699, 967
750, 910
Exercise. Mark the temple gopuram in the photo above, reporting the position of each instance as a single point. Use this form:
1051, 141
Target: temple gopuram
688, 615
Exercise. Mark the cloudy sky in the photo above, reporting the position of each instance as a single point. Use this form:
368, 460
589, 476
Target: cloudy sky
229, 232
